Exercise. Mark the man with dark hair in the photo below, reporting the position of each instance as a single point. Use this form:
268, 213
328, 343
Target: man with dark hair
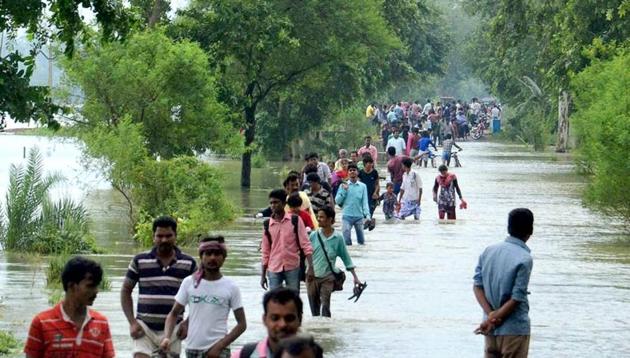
209, 297
369, 149
70, 329
352, 197
300, 346
328, 244
283, 310
322, 168
319, 196
283, 239
395, 168
292, 185
410, 192
500, 286
369, 176
159, 273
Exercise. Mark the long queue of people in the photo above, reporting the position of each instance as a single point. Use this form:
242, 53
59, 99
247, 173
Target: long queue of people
299, 243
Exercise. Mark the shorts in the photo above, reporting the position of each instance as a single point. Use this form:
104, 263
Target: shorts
413, 153
446, 156
151, 340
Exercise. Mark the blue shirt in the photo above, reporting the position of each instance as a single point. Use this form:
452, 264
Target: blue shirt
503, 271
423, 144
353, 201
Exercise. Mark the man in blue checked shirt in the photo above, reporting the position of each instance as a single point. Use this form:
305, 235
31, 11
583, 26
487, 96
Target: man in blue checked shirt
500, 286
352, 197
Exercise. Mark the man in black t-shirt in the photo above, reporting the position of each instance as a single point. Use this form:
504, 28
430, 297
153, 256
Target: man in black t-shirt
369, 176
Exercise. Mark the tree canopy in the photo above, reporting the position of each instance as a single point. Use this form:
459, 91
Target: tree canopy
163, 84
44, 21
271, 53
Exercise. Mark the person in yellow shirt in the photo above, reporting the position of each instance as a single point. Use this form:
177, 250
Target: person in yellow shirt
292, 185
370, 111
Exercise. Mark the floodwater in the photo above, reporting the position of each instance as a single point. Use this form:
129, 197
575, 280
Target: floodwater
419, 300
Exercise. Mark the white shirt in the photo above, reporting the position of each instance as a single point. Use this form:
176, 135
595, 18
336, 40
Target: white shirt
411, 185
495, 112
427, 108
208, 308
476, 107
398, 143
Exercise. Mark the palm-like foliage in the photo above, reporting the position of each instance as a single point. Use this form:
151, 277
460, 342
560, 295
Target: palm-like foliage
32, 222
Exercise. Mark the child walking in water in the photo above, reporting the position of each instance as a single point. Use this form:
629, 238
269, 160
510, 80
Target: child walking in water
389, 201
444, 190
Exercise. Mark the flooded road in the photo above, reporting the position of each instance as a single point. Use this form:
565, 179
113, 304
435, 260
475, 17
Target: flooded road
419, 302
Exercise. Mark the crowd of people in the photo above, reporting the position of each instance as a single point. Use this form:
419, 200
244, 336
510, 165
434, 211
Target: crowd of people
299, 243
437, 119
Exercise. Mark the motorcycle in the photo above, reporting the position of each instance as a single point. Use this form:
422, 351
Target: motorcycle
479, 128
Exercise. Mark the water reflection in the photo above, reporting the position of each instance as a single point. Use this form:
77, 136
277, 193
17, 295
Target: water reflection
419, 300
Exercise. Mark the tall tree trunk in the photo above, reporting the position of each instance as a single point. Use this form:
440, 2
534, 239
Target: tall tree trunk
250, 134
563, 122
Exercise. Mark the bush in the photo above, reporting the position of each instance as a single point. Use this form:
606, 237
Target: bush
602, 127
31, 222
8, 343
258, 160
185, 188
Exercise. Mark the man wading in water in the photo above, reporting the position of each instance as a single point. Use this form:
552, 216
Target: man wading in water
500, 286
447, 185
320, 287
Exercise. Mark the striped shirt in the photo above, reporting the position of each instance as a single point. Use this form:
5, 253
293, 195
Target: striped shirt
53, 334
158, 285
319, 200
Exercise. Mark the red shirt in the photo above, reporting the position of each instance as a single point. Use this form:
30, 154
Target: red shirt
395, 168
54, 335
306, 218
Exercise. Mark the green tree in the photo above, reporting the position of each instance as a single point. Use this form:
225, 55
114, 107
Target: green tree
184, 187
262, 48
164, 85
547, 41
46, 21
602, 126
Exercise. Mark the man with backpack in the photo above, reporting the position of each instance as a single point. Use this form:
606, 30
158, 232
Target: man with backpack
284, 243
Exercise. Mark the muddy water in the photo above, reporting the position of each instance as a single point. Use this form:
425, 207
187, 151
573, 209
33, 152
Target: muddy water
419, 301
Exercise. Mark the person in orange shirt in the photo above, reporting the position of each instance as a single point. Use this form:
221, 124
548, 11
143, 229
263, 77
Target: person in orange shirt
70, 329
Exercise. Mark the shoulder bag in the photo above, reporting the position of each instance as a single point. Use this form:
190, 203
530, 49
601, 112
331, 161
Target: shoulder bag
340, 277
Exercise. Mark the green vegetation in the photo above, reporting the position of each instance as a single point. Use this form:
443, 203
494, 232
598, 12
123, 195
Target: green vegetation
184, 187
8, 343
32, 222
159, 83
45, 21
287, 64
602, 127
